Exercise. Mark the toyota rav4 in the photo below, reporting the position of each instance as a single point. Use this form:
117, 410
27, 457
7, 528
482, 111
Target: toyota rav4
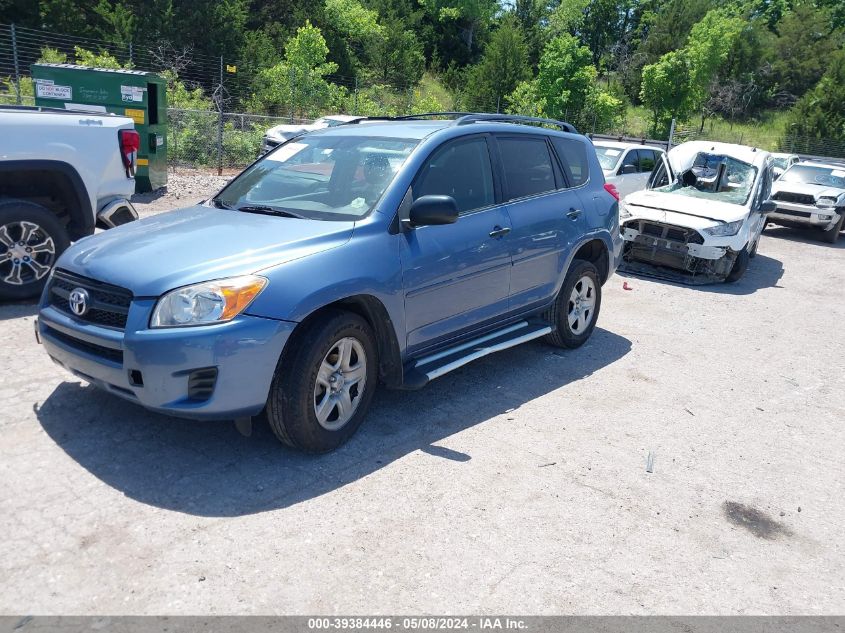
391, 252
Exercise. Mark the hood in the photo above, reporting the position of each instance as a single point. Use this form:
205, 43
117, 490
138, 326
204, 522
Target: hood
711, 210
285, 131
166, 251
812, 189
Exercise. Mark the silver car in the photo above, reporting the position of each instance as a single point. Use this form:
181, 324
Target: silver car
811, 194
627, 166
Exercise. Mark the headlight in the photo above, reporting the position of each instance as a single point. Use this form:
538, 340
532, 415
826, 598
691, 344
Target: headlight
725, 230
826, 202
206, 303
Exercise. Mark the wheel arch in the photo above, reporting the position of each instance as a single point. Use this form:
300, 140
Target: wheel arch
596, 251
373, 311
55, 185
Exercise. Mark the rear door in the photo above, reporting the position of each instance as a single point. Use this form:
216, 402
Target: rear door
546, 214
456, 276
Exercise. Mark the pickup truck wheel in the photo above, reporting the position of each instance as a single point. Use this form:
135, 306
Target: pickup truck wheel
576, 309
31, 239
832, 235
740, 265
322, 390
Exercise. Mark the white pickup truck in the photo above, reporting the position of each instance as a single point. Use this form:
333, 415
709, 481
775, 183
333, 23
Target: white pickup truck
62, 173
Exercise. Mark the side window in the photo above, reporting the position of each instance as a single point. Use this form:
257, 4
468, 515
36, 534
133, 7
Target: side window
460, 169
573, 156
646, 160
629, 162
528, 166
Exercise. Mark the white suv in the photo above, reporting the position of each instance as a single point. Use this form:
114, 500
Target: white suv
627, 166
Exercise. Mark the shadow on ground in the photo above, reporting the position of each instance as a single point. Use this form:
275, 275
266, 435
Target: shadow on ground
763, 272
209, 469
806, 236
17, 309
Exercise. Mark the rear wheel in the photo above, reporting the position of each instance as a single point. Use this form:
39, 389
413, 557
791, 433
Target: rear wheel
576, 309
31, 239
323, 388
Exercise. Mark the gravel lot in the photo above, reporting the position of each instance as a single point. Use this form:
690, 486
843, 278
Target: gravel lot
518, 484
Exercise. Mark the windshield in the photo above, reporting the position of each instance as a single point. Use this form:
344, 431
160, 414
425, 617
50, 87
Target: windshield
715, 177
608, 156
319, 177
815, 175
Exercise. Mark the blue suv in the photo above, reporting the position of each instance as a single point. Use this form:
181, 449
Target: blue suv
381, 251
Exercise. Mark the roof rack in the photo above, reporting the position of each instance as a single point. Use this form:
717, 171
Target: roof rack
514, 118
465, 118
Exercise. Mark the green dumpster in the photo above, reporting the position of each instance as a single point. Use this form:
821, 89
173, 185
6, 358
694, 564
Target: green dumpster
134, 93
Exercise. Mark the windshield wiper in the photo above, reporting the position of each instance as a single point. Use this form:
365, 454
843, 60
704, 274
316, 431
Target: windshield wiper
258, 208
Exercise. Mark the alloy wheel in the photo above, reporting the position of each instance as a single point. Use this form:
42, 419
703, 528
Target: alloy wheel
27, 252
340, 383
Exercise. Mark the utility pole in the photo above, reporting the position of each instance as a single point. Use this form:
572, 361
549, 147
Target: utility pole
671, 135
220, 122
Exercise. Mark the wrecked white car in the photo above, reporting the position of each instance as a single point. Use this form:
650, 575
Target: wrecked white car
811, 195
701, 217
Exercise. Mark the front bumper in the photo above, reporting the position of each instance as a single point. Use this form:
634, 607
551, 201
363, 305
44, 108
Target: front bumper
160, 368
667, 257
792, 213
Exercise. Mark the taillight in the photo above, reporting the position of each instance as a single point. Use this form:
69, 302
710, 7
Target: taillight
130, 143
611, 189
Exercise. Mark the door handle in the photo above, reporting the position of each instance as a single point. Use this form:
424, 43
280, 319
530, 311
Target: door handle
573, 213
499, 231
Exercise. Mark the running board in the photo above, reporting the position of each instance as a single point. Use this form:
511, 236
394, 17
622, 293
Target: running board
435, 365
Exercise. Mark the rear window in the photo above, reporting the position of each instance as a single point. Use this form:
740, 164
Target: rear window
528, 166
573, 155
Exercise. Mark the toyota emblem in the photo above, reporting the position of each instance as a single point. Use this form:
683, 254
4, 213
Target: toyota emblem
78, 301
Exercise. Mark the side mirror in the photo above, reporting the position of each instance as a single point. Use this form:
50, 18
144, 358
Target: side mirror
433, 210
768, 206
629, 169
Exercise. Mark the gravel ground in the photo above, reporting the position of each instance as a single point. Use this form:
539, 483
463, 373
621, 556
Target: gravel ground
517, 484
185, 187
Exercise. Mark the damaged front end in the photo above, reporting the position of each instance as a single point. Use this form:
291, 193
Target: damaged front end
673, 253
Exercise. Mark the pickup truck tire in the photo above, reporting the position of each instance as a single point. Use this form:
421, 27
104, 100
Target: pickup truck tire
574, 313
323, 388
31, 240
740, 265
832, 235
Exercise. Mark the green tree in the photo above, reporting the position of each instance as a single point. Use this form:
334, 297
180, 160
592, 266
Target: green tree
396, 57
819, 114
666, 91
565, 77
502, 67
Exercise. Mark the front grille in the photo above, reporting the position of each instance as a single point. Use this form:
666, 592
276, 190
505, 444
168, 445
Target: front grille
109, 304
798, 214
795, 198
666, 231
114, 355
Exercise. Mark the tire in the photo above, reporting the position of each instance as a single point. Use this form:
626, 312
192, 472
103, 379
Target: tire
31, 240
832, 235
292, 407
582, 280
740, 266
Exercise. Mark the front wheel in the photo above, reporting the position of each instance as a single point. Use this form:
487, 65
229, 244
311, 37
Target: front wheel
740, 265
832, 235
575, 311
323, 388
31, 239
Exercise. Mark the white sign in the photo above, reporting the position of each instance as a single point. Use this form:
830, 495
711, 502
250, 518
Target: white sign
838, 173
52, 91
286, 151
131, 93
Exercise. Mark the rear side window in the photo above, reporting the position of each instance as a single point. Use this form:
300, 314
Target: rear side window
460, 169
573, 156
528, 166
647, 159
630, 161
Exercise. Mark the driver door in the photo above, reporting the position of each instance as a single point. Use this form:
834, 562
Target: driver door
662, 174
